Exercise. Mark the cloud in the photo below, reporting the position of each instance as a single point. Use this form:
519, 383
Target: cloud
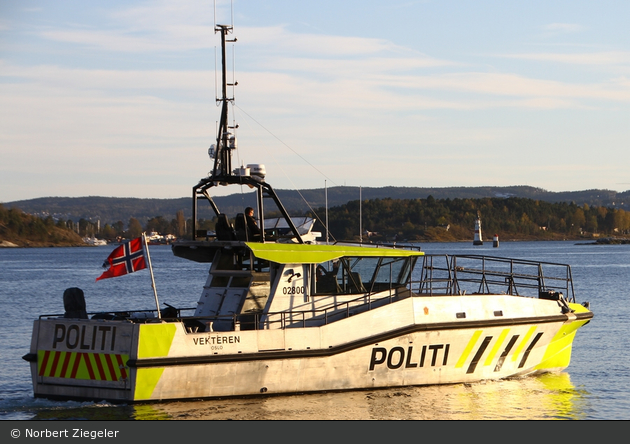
552, 30
563, 28
109, 82
184, 37
173, 38
278, 38
315, 70
156, 26
338, 100
592, 58
500, 84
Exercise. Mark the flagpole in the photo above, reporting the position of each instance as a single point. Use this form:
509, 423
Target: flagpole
146, 250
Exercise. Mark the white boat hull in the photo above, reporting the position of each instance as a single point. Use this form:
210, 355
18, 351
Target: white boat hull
415, 341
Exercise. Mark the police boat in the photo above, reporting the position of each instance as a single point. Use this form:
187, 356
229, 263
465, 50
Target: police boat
281, 313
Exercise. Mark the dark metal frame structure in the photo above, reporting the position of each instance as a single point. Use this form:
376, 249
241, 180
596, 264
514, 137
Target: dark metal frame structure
222, 172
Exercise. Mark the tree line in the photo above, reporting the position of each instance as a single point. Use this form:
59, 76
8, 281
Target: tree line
380, 219
454, 219
24, 229
133, 228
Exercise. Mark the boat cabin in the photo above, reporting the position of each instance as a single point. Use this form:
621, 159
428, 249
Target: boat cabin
273, 285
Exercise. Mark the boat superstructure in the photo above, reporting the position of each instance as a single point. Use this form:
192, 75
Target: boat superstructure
281, 313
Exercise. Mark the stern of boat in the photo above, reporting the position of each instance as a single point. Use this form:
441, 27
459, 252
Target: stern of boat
82, 359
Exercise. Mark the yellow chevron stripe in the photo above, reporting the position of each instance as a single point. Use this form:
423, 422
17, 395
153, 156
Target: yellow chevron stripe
62, 357
146, 381
523, 343
468, 349
155, 340
496, 347
82, 369
558, 352
73, 359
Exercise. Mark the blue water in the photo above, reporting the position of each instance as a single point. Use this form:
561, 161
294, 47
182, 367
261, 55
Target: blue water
595, 386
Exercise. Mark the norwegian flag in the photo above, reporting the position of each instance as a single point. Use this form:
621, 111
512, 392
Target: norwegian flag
125, 259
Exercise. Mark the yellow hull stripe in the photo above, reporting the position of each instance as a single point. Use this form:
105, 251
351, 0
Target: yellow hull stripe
76, 365
523, 343
146, 381
468, 349
558, 352
155, 340
497, 346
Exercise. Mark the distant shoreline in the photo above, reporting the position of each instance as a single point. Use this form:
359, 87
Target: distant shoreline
607, 241
29, 244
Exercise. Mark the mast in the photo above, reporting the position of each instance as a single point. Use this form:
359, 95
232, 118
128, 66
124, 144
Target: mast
221, 152
326, 195
225, 140
360, 216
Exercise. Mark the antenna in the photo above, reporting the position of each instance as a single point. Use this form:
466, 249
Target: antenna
326, 198
226, 143
223, 156
360, 216
234, 82
231, 15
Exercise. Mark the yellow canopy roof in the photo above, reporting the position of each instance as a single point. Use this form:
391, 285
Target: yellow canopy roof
315, 254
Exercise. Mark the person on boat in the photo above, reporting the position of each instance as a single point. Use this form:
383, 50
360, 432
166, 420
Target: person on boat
252, 226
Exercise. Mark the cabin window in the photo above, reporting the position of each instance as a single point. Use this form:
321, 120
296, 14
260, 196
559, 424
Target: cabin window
391, 272
358, 275
325, 277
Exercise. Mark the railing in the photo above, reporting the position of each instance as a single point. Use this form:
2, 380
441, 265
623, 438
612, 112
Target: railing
441, 275
256, 321
332, 313
473, 274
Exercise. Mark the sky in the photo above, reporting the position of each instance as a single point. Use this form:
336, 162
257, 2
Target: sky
117, 98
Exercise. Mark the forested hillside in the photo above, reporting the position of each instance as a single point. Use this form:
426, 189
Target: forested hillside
20, 229
454, 219
386, 219
111, 210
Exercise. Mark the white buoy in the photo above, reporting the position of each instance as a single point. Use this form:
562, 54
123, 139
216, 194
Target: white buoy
495, 241
478, 240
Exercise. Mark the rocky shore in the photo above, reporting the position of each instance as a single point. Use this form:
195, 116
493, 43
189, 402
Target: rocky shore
608, 241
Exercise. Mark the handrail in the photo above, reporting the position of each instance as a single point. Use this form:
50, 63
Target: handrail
493, 275
439, 275
286, 318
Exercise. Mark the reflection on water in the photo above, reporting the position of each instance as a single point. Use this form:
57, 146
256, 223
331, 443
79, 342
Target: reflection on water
548, 396
100, 412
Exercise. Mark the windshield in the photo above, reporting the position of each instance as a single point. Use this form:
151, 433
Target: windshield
354, 275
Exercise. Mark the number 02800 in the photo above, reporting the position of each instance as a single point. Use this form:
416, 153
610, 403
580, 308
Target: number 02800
299, 289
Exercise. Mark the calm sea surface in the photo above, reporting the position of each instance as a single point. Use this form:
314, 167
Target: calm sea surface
595, 386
